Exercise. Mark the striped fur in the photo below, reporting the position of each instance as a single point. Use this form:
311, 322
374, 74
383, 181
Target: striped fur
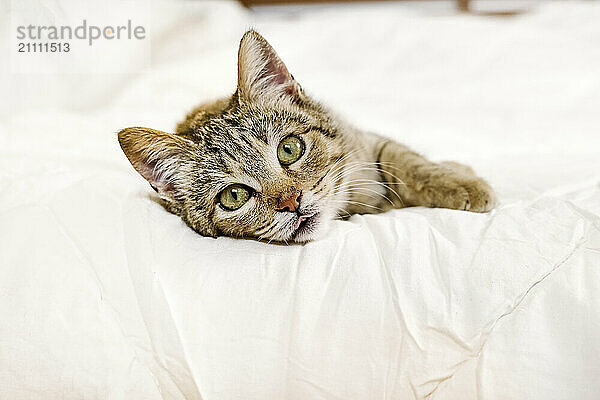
234, 140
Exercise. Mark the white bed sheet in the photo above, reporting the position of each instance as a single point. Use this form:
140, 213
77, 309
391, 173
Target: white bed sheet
104, 295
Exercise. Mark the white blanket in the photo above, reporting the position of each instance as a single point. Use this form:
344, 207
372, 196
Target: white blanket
105, 295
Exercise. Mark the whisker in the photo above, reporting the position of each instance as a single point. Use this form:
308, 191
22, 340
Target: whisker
353, 182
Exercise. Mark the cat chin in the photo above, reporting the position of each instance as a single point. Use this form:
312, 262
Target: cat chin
305, 237
313, 230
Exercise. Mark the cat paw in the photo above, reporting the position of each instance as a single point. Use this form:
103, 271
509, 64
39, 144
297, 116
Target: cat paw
481, 197
461, 192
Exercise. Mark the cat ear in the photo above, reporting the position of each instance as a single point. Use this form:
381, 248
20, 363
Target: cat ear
261, 73
158, 157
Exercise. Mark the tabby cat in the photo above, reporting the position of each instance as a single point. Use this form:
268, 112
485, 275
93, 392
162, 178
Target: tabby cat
273, 164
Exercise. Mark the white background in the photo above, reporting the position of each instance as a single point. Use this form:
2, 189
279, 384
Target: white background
103, 294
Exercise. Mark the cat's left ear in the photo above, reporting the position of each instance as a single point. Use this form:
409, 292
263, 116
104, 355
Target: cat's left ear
261, 73
162, 158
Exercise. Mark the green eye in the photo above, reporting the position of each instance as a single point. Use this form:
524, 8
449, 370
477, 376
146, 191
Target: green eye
234, 196
290, 149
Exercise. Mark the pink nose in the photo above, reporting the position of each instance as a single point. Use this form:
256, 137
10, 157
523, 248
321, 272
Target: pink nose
290, 202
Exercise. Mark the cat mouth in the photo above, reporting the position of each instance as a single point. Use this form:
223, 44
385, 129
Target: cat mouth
304, 226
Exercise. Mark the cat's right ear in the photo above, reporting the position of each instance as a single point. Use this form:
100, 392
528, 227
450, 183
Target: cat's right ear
159, 157
261, 73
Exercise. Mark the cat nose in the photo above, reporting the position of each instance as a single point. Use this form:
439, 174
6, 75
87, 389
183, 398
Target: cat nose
290, 203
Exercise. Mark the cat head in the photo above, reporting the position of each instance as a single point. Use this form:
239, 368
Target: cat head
265, 163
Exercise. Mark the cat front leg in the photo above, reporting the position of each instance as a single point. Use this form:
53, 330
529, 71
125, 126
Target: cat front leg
415, 181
